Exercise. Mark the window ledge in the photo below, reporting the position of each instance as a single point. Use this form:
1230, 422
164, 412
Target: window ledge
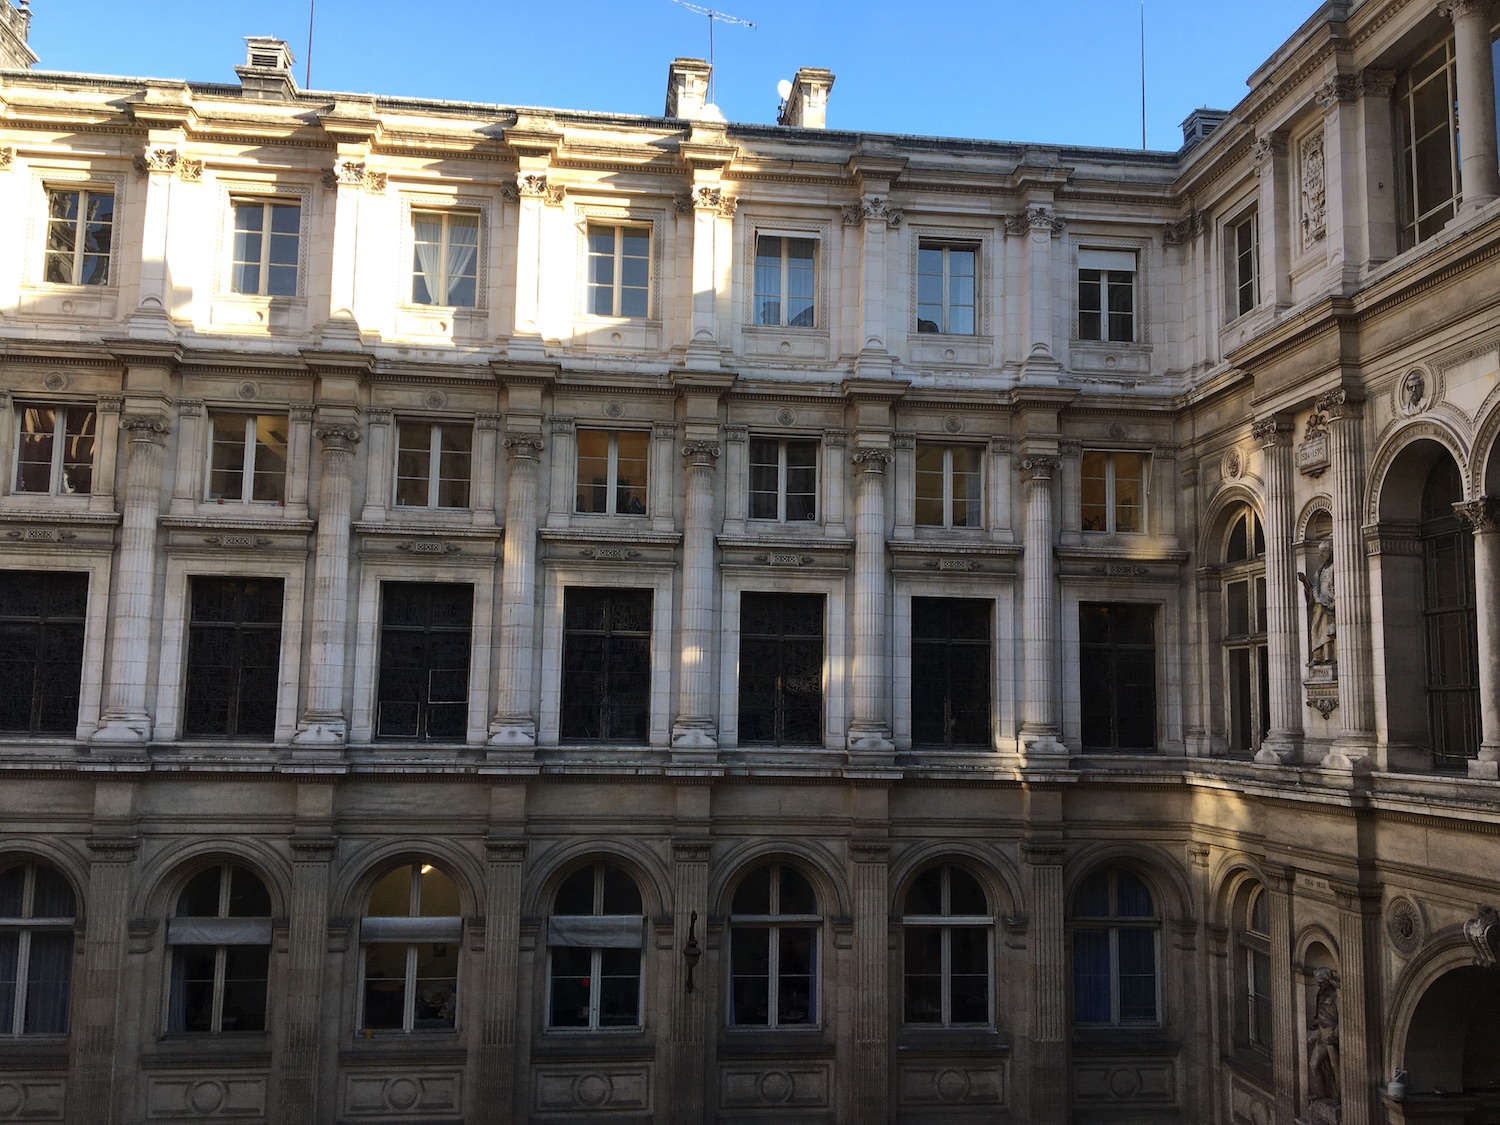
432, 1047
1117, 1040
626, 1043
774, 1042
918, 1038
38, 1052
1252, 1066
244, 1048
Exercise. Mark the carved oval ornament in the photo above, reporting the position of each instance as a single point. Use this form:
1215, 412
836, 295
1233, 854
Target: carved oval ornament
247, 391
1414, 392
614, 409
1403, 924
55, 381
206, 1096
1234, 465
786, 416
953, 425
435, 400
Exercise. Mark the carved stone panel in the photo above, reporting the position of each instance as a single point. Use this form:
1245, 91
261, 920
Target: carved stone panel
178, 1097
576, 1089
1125, 1081
28, 1097
1250, 1105
789, 1086
402, 1094
953, 1084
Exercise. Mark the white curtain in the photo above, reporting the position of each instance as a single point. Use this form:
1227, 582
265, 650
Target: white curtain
428, 262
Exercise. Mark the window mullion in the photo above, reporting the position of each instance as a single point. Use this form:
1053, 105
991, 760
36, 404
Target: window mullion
59, 447
617, 281
434, 454
443, 261
216, 1016
23, 975
1112, 517
596, 970
80, 227
612, 460
773, 974
409, 993
945, 961
1114, 975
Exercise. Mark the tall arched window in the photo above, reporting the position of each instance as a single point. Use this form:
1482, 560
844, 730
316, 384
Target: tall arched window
410, 938
220, 936
594, 940
1115, 927
947, 927
1247, 671
1450, 619
36, 950
1254, 972
773, 949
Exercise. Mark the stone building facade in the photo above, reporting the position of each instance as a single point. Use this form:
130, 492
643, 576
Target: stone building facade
531, 616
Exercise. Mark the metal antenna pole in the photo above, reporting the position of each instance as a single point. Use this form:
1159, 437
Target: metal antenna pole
1143, 75
712, 15
312, 6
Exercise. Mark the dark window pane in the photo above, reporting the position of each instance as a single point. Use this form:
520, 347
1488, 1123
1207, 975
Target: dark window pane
424, 661
606, 665
781, 668
234, 642
41, 650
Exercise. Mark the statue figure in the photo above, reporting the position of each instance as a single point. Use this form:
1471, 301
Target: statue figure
1322, 639
1323, 1041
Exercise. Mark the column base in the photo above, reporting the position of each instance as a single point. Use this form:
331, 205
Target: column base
1352, 755
122, 730
511, 735
323, 733
694, 735
341, 333
872, 745
1486, 767
1279, 750
703, 354
1044, 744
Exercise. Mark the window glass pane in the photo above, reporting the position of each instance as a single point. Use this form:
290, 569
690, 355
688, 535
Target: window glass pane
621, 896
925, 896
750, 976
1134, 898
576, 895
796, 894
51, 896
391, 895
271, 440
385, 987
1130, 491
572, 970
795, 993
200, 897
593, 471
34, 458
10, 949
48, 983
244, 1004
227, 458
1092, 897
753, 896
1094, 483
630, 473
965, 895
436, 999
1137, 975
1091, 991
619, 987
248, 897
413, 464
1237, 604
924, 974
191, 1004
438, 893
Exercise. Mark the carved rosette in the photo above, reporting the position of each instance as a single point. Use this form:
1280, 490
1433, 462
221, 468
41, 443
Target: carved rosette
701, 454
1272, 431
337, 437
1037, 468
150, 428
1034, 219
1314, 191
1483, 515
157, 158
871, 460
524, 447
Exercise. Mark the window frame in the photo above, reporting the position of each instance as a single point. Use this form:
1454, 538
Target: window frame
1257, 1025
1249, 570
411, 930
83, 189
920, 649
222, 929
818, 301
268, 203
42, 620
612, 485
596, 957
946, 245
26, 925
424, 702
58, 465
617, 226
445, 209
435, 452
608, 701
1112, 924
1242, 293
775, 924
1111, 492
779, 725
250, 444
946, 922
1120, 692
1409, 220
974, 504
1104, 333
783, 444
234, 679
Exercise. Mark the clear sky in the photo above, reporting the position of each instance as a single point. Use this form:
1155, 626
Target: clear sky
1064, 72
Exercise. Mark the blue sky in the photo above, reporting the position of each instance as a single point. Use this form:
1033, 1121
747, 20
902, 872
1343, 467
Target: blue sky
1061, 72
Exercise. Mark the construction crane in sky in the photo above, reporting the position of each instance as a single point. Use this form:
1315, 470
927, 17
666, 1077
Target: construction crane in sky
723, 17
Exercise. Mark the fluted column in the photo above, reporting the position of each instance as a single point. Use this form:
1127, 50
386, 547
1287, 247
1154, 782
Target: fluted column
1351, 583
1286, 1026
1360, 952
1483, 516
1478, 169
1040, 729
324, 721
690, 856
872, 1070
1048, 1080
870, 728
125, 720
307, 950
514, 722
1283, 742
505, 860
93, 1097
695, 728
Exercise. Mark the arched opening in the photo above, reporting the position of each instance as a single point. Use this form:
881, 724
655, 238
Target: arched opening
1247, 671
1452, 1050
1424, 573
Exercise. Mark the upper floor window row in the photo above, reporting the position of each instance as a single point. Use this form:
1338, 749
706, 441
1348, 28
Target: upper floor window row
80, 233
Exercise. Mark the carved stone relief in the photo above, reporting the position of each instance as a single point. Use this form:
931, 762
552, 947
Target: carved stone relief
1314, 195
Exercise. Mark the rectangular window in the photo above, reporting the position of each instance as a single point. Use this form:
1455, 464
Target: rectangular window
606, 679
42, 616
1427, 112
784, 479
55, 451
80, 229
445, 258
1244, 265
1113, 491
234, 657
786, 277
781, 668
945, 288
950, 671
948, 486
619, 270
432, 464
248, 458
612, 472
1106, 295
423, 691
267, 237
1117, 676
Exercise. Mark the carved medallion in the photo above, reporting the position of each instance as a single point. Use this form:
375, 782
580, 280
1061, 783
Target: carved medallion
1403, 924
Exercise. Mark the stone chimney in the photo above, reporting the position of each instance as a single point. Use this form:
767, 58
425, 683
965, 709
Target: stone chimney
807, 105
267, 73
1200, 123
687, 88
15, 23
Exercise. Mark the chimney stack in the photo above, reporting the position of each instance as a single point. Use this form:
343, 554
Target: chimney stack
267, 73
15, 25
687, 88
1200, 123
807, 105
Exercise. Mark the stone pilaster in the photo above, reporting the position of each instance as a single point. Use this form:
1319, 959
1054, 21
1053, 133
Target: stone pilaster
531, 188
106, 453
877, 218
1274, 224
690, 1033
298, 460
504, 867
564, 468
695, 729
514, 724
1038, 225
1040, 711
187, 485
1351, 581
324, 721
1478, 169
125, 721
712, 211
158, 163
1360, 942
346, 178
1048, 1078
872, 1070
1283, 742
870, 725
663, 438
307, 951
380, 462
486, 448
1483, 516
1286, 1024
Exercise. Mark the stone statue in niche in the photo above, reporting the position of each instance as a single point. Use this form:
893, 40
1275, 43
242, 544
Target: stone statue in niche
1323, 1048
1322, 631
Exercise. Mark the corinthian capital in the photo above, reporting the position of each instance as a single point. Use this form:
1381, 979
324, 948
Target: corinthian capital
1483, 515
1272, 431
1457, 9
1034, 218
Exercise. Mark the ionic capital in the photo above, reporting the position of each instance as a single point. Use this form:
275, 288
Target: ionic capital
150, 428
701, 454
337, 437
1038, 467
523, 447
871, 460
